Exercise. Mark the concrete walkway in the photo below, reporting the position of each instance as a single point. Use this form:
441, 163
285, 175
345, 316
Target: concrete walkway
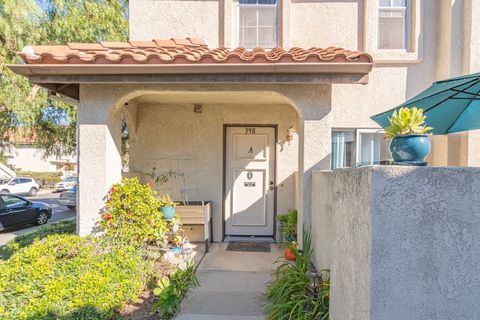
231, 285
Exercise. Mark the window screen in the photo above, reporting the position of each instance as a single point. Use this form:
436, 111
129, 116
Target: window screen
258, 23
392, 24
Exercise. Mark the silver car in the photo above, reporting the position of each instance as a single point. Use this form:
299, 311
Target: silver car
66, 184
69, 198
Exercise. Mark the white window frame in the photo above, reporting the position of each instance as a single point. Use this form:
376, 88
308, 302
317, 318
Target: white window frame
354, 156
406, 28
356, 133
256, 5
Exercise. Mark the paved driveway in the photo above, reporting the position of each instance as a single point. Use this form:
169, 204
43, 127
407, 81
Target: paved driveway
59, 213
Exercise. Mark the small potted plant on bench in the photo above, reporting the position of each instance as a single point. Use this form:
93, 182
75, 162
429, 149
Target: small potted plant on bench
410, 144
167, 207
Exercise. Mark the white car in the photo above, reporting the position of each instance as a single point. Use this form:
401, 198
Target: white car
66, 184
19, 185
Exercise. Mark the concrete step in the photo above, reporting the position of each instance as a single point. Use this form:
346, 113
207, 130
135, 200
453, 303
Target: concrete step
237, 281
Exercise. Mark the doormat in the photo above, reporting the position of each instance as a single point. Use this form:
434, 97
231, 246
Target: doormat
249, 246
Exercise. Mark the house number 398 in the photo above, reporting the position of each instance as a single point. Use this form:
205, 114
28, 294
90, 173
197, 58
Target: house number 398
249, 130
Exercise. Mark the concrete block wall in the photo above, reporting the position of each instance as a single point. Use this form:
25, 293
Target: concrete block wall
403, 241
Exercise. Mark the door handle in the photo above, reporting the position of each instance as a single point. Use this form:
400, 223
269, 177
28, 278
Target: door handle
272, 186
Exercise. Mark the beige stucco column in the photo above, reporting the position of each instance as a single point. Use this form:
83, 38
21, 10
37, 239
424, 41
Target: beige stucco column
314, 104
99, 156
471, 64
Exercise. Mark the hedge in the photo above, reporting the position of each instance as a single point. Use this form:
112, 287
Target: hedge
67, 277
60, 227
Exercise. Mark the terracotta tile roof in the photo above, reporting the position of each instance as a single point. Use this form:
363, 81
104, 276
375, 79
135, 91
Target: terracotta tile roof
181, 51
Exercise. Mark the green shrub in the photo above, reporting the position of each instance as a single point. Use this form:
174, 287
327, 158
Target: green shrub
288, 223
45, 179
289, 295
171, 290
132, 214
68, 277
60, 227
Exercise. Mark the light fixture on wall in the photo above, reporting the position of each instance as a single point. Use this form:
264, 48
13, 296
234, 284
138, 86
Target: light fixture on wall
291, 132
198, 108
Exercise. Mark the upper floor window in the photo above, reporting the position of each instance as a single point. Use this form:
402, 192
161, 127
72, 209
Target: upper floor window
258, 23
393, 24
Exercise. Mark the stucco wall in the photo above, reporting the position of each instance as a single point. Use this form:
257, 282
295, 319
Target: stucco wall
168, 133
165, 19
33, 159
318, 23
404, 243
350, 245
321, 226
425, 226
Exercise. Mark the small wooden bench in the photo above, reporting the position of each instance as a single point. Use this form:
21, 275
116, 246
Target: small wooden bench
196, 218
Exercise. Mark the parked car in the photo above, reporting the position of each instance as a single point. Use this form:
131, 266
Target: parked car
68, 198
16, 210
66, 184
19, 185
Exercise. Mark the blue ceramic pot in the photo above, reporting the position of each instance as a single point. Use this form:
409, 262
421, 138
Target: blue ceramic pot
410, 149
168, 212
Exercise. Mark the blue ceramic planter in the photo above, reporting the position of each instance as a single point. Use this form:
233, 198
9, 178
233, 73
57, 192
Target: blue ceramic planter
168, 212
410, 149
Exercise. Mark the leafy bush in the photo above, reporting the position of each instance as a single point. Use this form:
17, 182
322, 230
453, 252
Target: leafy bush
132, 214
289, 295
171, 290
12, 246
68, 277
44, 179
288, 223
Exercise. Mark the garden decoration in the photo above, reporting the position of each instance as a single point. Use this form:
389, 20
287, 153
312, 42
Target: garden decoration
410, 144
290, 250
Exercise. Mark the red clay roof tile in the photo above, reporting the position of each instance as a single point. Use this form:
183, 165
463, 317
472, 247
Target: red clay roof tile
86, 46
116, 45
165, 43
181, 51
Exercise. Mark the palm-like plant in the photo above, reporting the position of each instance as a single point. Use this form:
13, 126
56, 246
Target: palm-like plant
407, 121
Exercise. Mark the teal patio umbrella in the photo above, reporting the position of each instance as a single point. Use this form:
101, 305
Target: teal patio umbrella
451, 105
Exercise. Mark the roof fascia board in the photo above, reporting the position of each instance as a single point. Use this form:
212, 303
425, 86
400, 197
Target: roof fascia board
356, 78
79, 69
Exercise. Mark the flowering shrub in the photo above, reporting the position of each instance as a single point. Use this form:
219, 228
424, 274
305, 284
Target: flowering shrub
132, 214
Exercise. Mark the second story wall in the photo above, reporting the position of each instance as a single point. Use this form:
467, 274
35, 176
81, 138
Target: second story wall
322, 24
165, 19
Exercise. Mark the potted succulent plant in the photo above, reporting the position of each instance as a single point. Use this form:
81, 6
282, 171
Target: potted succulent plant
410, 144
167, 206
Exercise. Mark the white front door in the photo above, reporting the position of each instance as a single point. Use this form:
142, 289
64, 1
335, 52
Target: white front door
249, 181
